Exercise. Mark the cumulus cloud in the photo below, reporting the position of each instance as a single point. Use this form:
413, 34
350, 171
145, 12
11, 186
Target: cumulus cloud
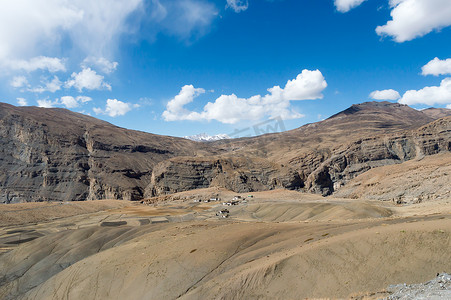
238, 5
437, 67
448, 106
415, 18
48, 86
231, 109
19, 81
175, 107
429, 95
385, 95
51, 64
346, 5
115, 108
71, 102
47, 103
22, 102
100, 63
87, 79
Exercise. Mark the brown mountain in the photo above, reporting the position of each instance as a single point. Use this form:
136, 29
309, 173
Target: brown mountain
56, 154
437, 113
318, 157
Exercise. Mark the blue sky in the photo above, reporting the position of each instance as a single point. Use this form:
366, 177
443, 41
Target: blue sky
182, 67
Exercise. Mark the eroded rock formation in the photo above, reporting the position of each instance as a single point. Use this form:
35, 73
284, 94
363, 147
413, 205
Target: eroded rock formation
58, 155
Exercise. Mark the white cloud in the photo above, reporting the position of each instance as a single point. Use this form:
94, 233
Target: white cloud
231, 109
51, 64
47, 103
71, 102
175, 108
448, 106
415, 18
54, 85
49, 86
87, 79
19, 81
385, 95
346, 5
238, 5
115, 108
429, 95
22, 101
100, 63
183, 18
437, 67
84, 99
31, 27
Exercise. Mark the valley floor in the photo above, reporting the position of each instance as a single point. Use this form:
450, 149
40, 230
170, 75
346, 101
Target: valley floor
274, 245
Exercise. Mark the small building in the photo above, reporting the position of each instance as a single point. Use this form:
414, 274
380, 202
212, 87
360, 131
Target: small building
224, 213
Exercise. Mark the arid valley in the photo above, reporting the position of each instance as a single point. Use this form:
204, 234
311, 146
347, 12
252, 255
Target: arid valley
278, 245
274, 217
225, 149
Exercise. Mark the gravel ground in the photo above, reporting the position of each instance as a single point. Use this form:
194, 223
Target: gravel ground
438, 288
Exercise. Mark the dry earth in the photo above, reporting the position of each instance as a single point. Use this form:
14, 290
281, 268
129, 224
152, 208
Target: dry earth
279, 245
414, 181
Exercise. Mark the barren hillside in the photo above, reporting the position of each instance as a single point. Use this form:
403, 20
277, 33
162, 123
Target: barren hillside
58, 155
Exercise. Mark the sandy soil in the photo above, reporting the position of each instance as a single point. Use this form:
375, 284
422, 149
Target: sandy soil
36, 212
278, 245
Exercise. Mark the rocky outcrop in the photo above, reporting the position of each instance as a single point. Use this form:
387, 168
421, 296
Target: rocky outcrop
360, 156
58, 155
236, 174
414, 181
320, 171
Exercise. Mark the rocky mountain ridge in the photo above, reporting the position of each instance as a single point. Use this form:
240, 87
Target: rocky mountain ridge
58, 155
323, 171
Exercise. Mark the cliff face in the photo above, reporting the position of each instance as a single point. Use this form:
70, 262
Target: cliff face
237, 174
362, 155
58, 155
322, 172
55, 154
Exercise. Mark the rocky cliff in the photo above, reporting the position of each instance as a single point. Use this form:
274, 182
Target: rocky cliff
318, 158
234, 173
58, 155
364, 154
55, 154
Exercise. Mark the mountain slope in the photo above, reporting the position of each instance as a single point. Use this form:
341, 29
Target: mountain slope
56, 154
319, 157
437, 113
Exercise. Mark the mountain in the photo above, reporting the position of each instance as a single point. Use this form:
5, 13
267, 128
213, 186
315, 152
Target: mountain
319, 157
50, 154
203, 137
437, 113
58, 155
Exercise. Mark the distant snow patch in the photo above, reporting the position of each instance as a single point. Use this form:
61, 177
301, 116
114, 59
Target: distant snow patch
203, 137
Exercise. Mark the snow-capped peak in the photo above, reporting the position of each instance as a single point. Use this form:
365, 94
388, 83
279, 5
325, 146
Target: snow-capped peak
203, 137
